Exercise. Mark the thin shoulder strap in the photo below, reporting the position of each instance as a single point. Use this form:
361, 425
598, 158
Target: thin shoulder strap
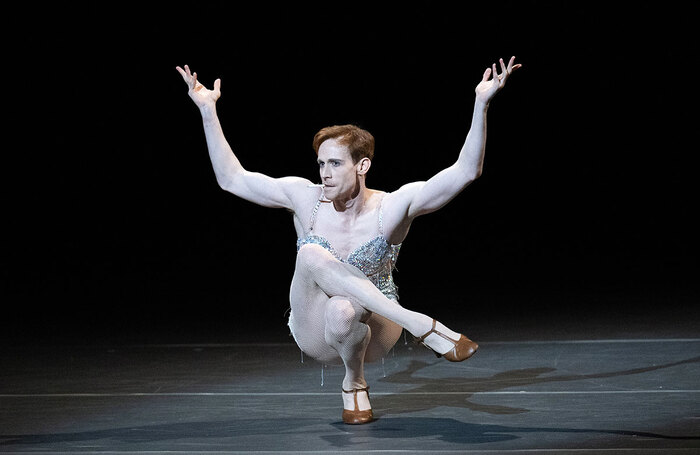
313, 214
381, 222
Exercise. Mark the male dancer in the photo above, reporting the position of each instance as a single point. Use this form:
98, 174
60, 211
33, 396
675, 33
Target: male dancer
344, 304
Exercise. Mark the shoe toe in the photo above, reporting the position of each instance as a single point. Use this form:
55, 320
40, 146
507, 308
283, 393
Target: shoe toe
464, 348
357, 417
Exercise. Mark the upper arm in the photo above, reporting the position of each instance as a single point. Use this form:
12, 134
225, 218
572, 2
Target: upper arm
265, 190
421, 198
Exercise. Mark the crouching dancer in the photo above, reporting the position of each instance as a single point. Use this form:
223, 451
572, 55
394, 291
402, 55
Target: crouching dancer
344, 303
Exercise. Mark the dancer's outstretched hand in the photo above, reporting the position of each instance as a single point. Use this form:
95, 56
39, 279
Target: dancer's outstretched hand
487, 88
201, 95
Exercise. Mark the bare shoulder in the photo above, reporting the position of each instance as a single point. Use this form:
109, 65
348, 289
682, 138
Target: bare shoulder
298, 189
396, 211
302, 194
398, 202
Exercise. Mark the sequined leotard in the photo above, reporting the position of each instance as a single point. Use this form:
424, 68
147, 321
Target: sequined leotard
376, 258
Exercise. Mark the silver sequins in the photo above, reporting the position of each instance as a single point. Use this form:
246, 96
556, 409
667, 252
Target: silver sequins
375, 258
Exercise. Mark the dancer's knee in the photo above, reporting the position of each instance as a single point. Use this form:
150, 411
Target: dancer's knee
341, 317
311, 256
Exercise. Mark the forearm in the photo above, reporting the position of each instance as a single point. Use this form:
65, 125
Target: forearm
471, 157
232, 177
420, 198
224, 161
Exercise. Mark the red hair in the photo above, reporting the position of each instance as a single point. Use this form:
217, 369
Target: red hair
359, 142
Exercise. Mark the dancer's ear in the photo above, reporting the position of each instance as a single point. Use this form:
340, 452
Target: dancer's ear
363, 166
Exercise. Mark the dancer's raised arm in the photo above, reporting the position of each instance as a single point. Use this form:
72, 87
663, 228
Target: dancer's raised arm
420, 198
230, 174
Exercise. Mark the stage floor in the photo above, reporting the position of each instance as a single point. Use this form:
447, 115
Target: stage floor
598, 395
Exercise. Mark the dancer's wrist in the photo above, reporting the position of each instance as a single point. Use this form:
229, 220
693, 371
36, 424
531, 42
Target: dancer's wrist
208, 111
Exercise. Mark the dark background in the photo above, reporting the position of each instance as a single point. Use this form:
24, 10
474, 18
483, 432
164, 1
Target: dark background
115, 228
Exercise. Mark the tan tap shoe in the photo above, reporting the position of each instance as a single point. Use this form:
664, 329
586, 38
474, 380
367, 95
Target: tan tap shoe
357, 417
462, 350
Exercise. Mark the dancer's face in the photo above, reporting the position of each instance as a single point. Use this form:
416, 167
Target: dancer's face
339, 174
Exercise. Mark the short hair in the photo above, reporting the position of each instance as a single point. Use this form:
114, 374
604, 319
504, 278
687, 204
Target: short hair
359, 142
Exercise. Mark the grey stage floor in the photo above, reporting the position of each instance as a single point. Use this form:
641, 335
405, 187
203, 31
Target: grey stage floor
618, 394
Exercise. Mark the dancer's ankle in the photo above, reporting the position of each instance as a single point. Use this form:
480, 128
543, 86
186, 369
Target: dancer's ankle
438, 343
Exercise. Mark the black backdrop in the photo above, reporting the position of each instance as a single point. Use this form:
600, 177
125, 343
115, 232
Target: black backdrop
115, 226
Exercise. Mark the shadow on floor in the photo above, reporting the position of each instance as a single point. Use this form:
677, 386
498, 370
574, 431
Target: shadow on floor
404, 428
454, 431
225, 432
425, 396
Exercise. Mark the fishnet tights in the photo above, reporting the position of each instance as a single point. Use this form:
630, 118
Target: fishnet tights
327, 320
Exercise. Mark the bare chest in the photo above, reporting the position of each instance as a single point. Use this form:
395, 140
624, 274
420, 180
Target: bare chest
346, 233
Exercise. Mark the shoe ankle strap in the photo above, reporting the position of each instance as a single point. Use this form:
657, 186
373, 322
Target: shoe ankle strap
432, 330
354, 391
